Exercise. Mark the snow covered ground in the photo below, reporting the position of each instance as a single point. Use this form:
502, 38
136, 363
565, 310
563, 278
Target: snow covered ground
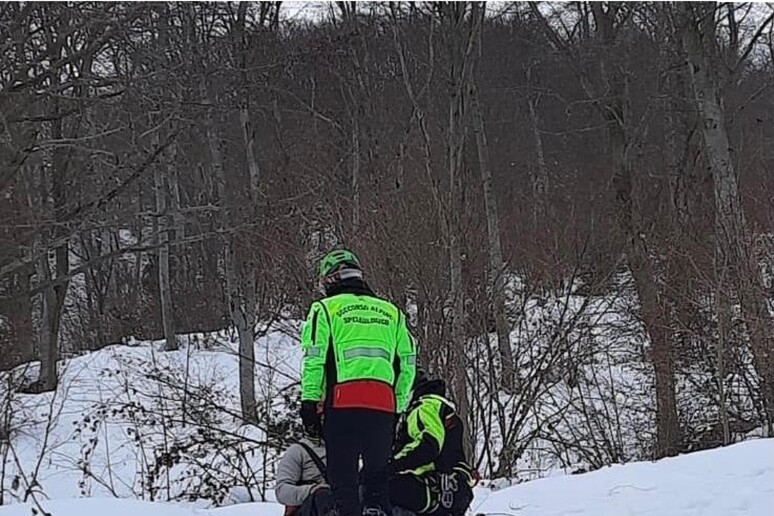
734, 481
130, 421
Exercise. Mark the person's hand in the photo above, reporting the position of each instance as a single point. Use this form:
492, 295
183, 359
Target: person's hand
311, 419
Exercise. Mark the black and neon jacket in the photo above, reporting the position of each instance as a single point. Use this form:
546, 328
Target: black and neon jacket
431, 435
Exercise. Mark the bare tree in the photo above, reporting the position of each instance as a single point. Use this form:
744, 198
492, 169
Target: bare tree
462, 22
165, 289
541, 181
733, 238
497, 269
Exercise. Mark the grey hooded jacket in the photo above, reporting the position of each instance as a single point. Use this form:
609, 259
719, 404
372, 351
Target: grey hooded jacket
297, 473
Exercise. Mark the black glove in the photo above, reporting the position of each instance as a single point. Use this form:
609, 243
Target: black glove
311, 419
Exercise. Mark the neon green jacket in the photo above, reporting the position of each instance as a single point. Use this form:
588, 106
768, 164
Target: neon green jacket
430, 438
356, 337
422, 436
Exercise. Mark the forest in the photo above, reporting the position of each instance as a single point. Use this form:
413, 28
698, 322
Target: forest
574, 201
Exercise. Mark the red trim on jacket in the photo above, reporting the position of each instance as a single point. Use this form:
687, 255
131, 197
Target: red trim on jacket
366, 394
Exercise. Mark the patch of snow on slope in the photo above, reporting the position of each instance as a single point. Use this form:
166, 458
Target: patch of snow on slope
133, 422
734, 481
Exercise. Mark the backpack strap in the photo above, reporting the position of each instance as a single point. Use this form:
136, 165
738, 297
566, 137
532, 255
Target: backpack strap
316, 459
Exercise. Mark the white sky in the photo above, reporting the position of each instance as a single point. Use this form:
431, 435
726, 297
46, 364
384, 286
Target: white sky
308, 9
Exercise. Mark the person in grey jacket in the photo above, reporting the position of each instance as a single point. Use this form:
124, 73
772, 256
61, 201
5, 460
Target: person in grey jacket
300, 485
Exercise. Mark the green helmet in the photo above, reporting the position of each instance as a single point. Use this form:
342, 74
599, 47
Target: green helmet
336, 260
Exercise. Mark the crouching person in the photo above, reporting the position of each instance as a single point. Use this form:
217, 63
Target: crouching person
431, 474
301, 484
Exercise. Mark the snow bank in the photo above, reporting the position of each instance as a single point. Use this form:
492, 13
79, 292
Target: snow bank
736, 480
733, 481
100, 507
123, 507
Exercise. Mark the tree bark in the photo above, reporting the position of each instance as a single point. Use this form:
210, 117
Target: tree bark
497, 269
176, 221
248, 136
355, 175
53, 296
652, 305
162, 179
24, 333
239, 281
48, 346
540, 181
244, 297
734, 245
165, 287
463, 33
723, 314
248, 131
48, 323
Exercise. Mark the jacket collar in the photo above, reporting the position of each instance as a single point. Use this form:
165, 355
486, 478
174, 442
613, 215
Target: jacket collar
349, 286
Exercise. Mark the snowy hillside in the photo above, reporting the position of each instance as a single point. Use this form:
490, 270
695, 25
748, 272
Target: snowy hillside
733, 481
130, 421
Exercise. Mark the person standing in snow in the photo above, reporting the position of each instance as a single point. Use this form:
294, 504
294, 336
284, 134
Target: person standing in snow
360, 361
431, 474
301, 484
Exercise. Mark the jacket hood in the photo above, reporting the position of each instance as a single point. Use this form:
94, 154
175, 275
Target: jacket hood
435, 386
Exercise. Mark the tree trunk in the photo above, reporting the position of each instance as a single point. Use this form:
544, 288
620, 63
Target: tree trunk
48, 346
53, 296
176, 221
679, 275
355, 176
652, 305
496, 263
248, 135
640, 264
245, 315
24, 333
723, 314
734, 246
463, 34
48, 323
238, 280
165, 288
241, 284
540, 180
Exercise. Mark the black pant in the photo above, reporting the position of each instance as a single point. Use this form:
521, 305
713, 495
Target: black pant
349, 435
412, 493
428, 495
